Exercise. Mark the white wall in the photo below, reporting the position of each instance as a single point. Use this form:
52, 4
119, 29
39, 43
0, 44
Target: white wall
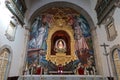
102, 35
17, 45
93, 15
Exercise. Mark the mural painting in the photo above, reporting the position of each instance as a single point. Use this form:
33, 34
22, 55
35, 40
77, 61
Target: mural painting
36, 62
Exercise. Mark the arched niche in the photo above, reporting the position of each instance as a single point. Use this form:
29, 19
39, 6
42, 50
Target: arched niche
115, 59
39, 12
66, 33
5, 61
60, 34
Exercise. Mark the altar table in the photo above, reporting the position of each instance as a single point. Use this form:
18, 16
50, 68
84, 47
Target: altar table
62, 77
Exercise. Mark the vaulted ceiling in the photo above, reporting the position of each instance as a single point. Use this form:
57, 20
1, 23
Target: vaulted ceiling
34, 6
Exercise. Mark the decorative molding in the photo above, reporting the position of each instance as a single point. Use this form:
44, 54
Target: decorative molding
12, 25
109, 20
103, 8
12, 6
108, 17
8, 47
9, 60
60, 58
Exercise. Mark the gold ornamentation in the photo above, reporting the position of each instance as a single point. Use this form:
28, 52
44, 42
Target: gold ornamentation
60, 22
60, 57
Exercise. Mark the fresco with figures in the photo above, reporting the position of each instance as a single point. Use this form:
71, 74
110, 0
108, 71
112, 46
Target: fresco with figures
36, 62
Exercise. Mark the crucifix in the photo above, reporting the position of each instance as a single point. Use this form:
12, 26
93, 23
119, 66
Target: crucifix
105, 46
106, 54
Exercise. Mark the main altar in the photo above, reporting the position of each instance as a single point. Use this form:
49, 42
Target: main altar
60, 43
62, 77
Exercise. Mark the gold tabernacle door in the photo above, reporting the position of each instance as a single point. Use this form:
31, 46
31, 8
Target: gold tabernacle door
60, 44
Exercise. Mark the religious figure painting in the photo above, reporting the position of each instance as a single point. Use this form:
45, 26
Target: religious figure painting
39, 34
83, 45
37, 45
60, 46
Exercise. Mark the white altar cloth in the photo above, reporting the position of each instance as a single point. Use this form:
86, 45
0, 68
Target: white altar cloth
62, 77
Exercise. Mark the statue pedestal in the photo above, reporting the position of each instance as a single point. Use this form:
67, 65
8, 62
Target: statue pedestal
61, 58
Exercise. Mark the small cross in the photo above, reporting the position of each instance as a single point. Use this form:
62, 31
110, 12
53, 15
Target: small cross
105, 45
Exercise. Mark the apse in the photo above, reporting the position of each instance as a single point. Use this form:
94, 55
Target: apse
60, 38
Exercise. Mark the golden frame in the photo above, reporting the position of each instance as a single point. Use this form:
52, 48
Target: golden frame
61, 58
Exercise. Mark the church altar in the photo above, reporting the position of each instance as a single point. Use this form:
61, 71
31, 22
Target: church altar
62, 77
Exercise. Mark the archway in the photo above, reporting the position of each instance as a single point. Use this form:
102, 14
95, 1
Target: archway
62, 4
5, 61
50, 16
116, 59
64, 37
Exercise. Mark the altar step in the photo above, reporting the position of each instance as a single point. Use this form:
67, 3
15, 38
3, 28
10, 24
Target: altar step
62, 77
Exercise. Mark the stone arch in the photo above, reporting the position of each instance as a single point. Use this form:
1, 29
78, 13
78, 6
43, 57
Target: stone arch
64, 4
112, 60
83, 13
10, 52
